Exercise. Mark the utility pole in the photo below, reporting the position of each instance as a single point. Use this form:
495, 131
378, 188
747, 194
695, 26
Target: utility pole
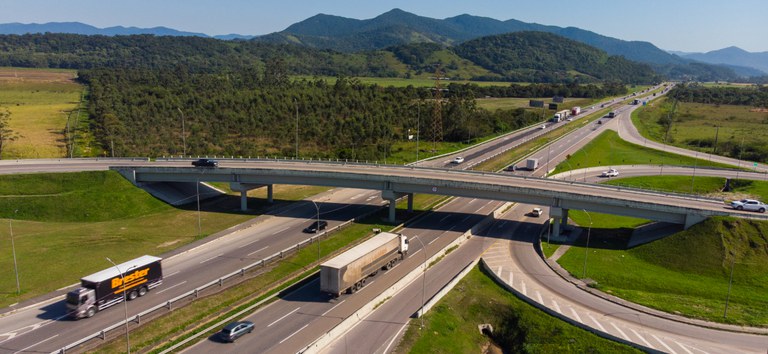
183, 134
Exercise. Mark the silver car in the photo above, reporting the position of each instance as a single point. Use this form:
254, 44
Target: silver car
749, 204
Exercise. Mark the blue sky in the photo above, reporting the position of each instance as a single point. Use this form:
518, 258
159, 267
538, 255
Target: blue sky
685, 25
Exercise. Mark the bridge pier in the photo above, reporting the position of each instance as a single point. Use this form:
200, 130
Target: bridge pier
560, 216
243, 188
392, 197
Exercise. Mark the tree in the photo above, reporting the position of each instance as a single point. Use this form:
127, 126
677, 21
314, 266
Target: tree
6, 133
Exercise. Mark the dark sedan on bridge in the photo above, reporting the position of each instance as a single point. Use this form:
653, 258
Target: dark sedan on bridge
205, 163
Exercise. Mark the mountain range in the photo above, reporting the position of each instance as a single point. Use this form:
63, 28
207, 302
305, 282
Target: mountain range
84, 29
397, 27
733, 56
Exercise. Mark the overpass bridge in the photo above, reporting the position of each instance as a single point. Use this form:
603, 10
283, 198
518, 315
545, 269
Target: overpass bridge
395, 181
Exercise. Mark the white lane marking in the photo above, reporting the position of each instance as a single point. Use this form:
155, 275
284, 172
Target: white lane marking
557, 307
576, 315
465, 219
597, 323
511, 277
498, 270
681, 345
664, 344
472, 201
284, 316
525, 292
334, 306
258, 250
370, 198
386, 350
642, 338
430, 242
538, 296
414, 253
294, 333
622, 332
172, 274
212, 258
40, 342
278, 231
170, 287
445, 217
356, 196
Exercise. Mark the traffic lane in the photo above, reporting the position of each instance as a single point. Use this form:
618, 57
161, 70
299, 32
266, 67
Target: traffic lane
296, 329
655, 170
200, 266
529, 262
378, 333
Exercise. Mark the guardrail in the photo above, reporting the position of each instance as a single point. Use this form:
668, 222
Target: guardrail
195, 293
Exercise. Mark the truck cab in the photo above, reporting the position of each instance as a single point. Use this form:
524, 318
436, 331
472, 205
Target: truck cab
81, 303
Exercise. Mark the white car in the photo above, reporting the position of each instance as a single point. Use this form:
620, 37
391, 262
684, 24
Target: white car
536, 212
457, 160
543, 126
610, 173
749, 204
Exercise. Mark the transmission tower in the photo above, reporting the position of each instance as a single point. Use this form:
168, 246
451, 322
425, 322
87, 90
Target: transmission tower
437, 113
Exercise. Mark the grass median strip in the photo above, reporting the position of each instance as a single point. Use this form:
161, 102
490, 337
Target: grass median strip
451, 326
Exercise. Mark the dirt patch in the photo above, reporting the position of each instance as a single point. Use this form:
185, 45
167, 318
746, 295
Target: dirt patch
169, 243
759, 110
35, 75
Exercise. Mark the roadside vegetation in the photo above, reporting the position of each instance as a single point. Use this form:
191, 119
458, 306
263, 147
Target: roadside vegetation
724, 121
43, 106
687, 273
609, 149
75, 220
451, 326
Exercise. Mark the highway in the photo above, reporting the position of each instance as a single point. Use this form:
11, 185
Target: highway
209, 256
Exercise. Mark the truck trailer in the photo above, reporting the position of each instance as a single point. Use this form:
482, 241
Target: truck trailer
575, 110
110, 286
559, 116
532, 164
348, 271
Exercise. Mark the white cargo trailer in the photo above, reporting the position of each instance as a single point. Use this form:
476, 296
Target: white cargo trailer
349, 270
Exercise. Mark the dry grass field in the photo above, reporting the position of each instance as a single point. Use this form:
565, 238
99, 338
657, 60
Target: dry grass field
40, 100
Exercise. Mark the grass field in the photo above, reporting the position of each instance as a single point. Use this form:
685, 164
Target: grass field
75, 220
695, 126
451, 326
608, 149
687, 273
707, 186
40, 102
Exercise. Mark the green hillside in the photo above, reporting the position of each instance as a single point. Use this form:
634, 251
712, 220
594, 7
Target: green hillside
688, 273
544, 57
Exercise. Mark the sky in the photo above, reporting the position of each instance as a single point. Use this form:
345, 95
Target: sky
681, 25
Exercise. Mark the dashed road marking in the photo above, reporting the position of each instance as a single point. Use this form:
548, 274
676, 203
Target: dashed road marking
212, 258
294, 333
681, 345
524, 290
284, 316
258, 250
334, 306
170, 287
40, 342
277, 232
538, 296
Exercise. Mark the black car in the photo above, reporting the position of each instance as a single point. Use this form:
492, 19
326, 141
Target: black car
235, 330
316, 226
205, 163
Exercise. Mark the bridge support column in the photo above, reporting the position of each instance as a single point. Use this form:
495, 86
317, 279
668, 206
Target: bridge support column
243, 188
560, 217
693, 219
410, 202
392, 197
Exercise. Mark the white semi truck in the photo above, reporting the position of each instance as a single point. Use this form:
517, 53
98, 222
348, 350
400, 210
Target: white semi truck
348, 271
108, 287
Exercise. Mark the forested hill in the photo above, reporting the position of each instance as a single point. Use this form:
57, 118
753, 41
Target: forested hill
545, 57
528, 56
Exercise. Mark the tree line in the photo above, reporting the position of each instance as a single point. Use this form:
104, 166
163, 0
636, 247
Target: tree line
755, 96
140, 112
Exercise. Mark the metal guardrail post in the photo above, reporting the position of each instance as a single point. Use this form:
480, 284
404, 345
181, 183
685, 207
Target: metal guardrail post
197, 293
221, 281
103, 334
168, 305
242, 272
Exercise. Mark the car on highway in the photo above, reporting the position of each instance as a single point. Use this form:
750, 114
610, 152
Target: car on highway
543, 126
205, 163
536, 212
235, 330
457, 160
316, 226
749, 204
610, 173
